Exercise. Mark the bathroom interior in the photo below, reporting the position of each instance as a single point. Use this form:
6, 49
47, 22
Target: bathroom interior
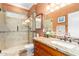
39, 29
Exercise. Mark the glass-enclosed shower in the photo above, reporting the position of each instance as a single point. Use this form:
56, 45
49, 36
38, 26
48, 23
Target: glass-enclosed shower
12, 31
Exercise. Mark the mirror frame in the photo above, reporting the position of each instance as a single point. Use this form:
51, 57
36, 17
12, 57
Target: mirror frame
39, 25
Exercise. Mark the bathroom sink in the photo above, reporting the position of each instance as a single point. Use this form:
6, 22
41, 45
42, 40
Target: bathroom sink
63, 44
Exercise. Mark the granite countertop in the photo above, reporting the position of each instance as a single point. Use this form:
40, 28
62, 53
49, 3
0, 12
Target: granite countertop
48, 42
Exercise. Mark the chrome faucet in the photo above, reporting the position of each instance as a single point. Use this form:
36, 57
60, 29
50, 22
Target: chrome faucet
66, 37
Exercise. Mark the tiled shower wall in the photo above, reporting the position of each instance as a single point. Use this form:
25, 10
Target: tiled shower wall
9, 36
9, 39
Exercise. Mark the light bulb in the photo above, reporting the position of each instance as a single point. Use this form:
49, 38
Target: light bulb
27, 21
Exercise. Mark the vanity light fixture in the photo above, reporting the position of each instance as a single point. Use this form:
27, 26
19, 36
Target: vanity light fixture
27, 21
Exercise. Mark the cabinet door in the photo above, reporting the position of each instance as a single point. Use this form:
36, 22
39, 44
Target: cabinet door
51, 51
44, 50
40, 51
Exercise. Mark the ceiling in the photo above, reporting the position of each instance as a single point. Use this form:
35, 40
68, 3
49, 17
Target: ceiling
55, 6
51, 7
23, 5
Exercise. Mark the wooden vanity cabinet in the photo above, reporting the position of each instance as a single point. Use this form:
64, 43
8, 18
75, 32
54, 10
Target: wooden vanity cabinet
41, 49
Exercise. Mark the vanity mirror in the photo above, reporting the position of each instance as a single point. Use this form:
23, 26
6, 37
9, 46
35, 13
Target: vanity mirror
48, 27
48, 24
38, 20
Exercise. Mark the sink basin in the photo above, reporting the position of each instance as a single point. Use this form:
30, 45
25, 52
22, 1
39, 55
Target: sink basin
66, 47
63, 44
